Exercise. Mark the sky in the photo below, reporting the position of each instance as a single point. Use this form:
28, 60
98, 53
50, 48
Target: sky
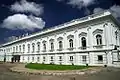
23, 17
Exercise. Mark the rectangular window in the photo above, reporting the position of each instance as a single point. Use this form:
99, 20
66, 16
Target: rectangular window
38, 58
51, 58
23, 58
60, 58
28, 58
71, 58
43, 58
100, 57
33, 58
84, 58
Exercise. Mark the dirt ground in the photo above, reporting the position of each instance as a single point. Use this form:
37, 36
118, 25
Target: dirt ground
106, 74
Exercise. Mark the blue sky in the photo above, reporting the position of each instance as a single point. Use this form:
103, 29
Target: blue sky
19, 17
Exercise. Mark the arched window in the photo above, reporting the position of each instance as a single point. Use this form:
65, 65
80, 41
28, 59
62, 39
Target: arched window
16, 48
28, 48
13, 49
38, 46
99, 39
33, 47
23, 48
20, 48
60, 45
71, 43
44, 46
52, 46
83, 41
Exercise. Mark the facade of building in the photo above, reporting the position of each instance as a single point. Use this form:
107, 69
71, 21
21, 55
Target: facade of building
92, 40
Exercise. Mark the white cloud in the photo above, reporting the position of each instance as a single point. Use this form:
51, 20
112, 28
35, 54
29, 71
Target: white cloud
96, 10
22, 21
11, 38
81, 3
27, 7
115, 9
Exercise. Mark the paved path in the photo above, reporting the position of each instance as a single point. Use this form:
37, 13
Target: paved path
105, 74
20, 68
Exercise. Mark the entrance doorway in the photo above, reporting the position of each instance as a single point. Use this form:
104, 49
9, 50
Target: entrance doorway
15, 58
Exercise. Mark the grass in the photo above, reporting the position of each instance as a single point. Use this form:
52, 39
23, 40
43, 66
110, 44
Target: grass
54, 67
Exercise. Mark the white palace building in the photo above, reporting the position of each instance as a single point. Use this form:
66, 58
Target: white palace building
93, 40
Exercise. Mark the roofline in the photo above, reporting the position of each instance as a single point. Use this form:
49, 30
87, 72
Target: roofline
62, 26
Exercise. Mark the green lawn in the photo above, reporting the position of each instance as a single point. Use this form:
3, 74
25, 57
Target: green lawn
54, 67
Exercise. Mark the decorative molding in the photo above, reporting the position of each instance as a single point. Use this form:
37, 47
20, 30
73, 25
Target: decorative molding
88, 28
82, 34
51, 40
97, 31
70, 36
75, 31
44, 41
60, 38
64, 34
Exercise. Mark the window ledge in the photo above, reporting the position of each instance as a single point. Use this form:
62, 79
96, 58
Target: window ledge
51, 50
98, 46
43, 50
37, 51
83, 48
59, 49
70, 48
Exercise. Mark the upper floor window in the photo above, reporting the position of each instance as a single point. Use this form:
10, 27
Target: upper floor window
52, 46
83, 41
23, 48
60, 45
28, 47
99, 39
20, 48
16, 48
38, 46
13, 49
44, 46
71, 43
33, 47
